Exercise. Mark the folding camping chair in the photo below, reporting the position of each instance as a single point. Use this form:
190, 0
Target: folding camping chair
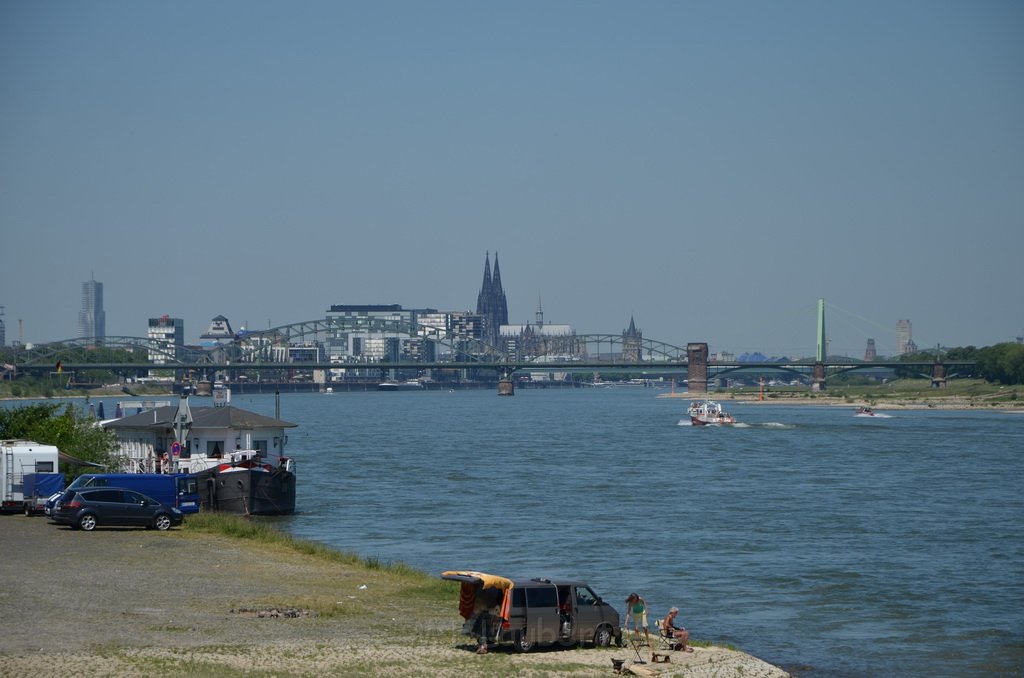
666, 641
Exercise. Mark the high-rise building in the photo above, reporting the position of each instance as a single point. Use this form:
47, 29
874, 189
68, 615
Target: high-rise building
904, 337
491, 303
3, 332
92, 319
165, 330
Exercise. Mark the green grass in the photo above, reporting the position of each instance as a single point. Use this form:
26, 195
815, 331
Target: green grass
415, 583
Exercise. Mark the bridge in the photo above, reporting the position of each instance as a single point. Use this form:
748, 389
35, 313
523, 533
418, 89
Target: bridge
296, 347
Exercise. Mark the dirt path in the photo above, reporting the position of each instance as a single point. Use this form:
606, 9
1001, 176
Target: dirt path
126, 602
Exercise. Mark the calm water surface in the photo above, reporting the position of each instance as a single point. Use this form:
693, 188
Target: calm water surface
830, 544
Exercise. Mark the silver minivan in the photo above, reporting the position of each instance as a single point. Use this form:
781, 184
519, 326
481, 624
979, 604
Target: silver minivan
538, 611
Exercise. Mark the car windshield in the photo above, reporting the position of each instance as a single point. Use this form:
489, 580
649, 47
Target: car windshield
78, 482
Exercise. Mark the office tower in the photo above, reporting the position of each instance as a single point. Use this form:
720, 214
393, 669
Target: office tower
869, 353
92, 320
165, 330
904, 337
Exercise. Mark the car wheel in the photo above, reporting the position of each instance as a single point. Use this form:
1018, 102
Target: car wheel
162, 522
603, 637
87, 522
521, 643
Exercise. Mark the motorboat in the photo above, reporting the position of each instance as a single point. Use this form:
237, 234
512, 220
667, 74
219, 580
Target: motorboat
410, 385
864, 412
705, 412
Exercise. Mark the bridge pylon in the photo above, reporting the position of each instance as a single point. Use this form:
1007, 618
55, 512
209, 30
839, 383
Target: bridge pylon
821, 355
938, 373
697, 367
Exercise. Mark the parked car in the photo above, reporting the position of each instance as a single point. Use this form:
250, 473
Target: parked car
539, 611
174, 489
87, 507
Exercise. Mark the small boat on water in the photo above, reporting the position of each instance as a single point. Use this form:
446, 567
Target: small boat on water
410, 385
708, 412
864, 412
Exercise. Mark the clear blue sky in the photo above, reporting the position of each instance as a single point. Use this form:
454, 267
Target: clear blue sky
709, 168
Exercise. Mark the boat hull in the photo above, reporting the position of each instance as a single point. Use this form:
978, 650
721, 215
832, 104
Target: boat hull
248, 491
708, 421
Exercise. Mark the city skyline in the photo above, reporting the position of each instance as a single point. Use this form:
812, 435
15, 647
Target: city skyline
708, 170
490, 306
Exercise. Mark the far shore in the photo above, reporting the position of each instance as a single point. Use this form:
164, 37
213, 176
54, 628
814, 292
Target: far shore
990, 397
896, 403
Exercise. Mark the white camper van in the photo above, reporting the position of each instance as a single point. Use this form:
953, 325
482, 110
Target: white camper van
17, 459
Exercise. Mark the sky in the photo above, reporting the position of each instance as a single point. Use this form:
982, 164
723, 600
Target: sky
709, 169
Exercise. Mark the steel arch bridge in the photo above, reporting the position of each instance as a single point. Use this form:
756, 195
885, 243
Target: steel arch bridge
592, 346
263, 346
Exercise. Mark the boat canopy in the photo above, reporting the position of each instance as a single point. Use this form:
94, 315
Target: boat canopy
471, 582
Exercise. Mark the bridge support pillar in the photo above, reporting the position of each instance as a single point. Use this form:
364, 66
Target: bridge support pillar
506, 387
697, 367
938, 374
818, 377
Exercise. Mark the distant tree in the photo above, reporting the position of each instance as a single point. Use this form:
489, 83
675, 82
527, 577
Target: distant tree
1002, 363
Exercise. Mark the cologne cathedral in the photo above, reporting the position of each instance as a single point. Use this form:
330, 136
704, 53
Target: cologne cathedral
490, 303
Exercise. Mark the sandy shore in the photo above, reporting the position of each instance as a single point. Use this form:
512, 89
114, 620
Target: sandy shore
125, 602
928, 403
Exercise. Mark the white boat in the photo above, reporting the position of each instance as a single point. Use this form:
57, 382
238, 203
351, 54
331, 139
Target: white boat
705, 412
864, 412
411, 385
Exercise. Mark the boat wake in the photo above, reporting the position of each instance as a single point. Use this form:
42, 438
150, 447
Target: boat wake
768, 424
876, 415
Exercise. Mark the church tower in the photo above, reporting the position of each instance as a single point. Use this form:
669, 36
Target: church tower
491, 303
632, 342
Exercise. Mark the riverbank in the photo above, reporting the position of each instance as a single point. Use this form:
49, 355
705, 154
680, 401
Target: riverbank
888, 403
127, 602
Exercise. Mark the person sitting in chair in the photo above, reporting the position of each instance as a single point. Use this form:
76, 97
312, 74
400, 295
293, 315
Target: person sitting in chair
678, 633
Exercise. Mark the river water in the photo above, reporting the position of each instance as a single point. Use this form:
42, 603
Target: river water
829, 544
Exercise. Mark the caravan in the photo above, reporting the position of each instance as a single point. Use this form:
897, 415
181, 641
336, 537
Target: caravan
19, 458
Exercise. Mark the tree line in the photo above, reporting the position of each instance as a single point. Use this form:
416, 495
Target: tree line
1000, 363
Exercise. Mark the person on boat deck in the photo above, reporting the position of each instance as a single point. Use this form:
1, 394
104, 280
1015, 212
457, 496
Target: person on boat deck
484, 609
670, 630
636, 607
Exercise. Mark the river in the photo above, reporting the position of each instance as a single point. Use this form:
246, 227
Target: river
829, 544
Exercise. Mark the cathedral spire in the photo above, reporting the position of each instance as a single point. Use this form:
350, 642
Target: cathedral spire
483, 298
491, 303
496, 281
500, 304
